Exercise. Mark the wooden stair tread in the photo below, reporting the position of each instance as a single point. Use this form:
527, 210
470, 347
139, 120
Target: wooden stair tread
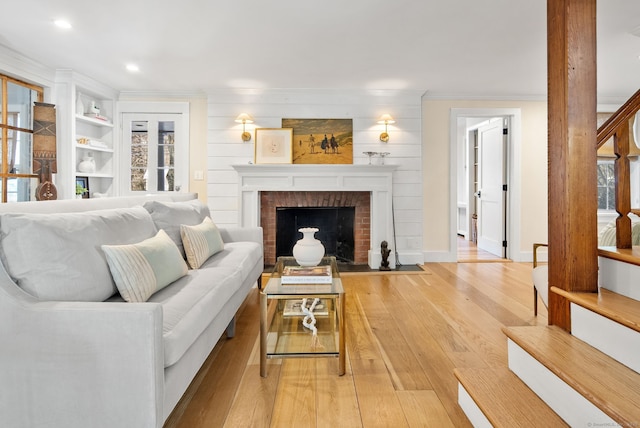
627, 255
614, 306
608, 384
505, 400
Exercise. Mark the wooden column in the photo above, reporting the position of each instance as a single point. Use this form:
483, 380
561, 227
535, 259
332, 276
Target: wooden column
571, 50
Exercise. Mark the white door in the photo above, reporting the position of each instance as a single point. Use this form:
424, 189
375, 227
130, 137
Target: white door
151, 159
491, 194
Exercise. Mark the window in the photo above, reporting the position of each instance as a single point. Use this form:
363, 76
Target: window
17, 181
606, 186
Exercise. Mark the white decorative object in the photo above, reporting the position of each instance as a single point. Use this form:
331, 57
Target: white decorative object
79, 104
309, 321
94, 109
308, 251
87, 164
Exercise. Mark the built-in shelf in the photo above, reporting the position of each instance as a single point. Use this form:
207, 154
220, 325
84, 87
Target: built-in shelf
90, 148
93, 121
93, 175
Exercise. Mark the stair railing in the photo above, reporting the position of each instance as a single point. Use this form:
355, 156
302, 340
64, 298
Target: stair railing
618, 126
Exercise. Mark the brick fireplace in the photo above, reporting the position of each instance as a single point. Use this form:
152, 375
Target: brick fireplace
270, 201
325, 184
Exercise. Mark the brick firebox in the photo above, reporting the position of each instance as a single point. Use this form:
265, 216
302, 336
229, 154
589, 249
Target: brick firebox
269, 201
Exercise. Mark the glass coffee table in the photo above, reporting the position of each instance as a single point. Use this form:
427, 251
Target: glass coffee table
282, 333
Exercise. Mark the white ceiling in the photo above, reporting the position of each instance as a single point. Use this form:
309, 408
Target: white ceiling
470, 48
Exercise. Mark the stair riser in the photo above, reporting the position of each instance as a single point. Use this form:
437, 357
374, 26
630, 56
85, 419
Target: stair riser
619, 277
609, 337
473, 412
564, 400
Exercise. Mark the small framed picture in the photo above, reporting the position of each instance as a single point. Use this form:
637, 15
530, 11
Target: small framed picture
82, 187
273, 145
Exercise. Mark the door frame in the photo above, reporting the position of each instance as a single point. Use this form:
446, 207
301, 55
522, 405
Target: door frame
161, 107
513, 170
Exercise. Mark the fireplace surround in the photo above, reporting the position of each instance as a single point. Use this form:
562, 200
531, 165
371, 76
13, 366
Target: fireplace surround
376, 181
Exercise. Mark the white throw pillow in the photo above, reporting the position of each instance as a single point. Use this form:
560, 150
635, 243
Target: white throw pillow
201, 242
141, 269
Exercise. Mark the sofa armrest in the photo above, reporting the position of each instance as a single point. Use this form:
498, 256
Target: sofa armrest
77, 364
238, 234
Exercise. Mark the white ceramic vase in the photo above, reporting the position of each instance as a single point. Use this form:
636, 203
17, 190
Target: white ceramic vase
88, 164
308, 251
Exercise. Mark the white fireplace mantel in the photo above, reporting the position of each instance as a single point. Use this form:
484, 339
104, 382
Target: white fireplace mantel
376, 179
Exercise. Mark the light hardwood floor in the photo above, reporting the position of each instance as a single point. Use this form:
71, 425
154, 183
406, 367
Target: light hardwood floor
406, 332
468, 252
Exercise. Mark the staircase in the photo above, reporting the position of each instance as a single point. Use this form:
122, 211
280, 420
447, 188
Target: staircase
587, 378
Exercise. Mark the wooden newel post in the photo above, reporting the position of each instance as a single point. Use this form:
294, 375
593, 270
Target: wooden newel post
571, 50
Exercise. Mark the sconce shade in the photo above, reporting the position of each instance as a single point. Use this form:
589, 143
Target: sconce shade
385, 119
244, 118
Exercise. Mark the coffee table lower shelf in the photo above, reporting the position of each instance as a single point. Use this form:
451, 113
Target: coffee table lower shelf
282, 334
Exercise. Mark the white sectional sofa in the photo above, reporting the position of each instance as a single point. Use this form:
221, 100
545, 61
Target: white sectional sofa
73, 353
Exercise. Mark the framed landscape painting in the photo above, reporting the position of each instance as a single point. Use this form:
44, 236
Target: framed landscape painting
273, 145
323, 141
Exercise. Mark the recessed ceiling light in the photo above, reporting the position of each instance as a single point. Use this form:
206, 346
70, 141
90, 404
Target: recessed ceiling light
133, 68
62, 23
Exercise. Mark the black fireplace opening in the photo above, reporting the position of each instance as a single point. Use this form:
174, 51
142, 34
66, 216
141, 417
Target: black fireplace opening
335, 224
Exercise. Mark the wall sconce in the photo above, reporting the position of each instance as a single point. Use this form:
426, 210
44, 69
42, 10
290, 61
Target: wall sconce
244, 118
386, 119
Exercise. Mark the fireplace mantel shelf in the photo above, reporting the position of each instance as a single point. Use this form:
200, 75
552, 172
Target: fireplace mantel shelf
304, 168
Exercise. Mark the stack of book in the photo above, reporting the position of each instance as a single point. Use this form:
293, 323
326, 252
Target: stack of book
306, 275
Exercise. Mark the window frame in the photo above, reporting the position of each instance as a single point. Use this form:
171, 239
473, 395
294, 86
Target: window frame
5, 128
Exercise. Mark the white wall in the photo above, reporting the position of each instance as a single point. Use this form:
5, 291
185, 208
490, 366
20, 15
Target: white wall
532, 217
268, 107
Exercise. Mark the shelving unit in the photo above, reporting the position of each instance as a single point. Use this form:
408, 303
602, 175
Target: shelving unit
82, 136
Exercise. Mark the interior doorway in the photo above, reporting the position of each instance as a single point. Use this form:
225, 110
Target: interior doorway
485, 224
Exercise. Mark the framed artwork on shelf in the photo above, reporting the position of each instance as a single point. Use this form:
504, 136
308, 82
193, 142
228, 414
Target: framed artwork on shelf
273, 145
321, 141
82, 183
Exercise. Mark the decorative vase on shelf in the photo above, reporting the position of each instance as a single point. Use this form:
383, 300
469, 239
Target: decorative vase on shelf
87, 164
308, 251
79, 104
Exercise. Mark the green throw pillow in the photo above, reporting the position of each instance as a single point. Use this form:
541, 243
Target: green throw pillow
201, 242
141, 269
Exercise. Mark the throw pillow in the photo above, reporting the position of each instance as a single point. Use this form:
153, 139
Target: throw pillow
141, 269
201, 242
170, 215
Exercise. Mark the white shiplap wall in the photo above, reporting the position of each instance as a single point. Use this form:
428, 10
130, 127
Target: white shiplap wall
268, 107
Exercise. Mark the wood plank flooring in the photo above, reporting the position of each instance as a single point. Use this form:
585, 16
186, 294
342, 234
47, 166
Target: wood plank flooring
468, 252
405, 334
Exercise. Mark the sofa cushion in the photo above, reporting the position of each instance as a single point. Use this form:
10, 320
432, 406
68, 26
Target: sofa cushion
190, 304
58, 256
141, 269
170, 215
201, 242
242, 255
